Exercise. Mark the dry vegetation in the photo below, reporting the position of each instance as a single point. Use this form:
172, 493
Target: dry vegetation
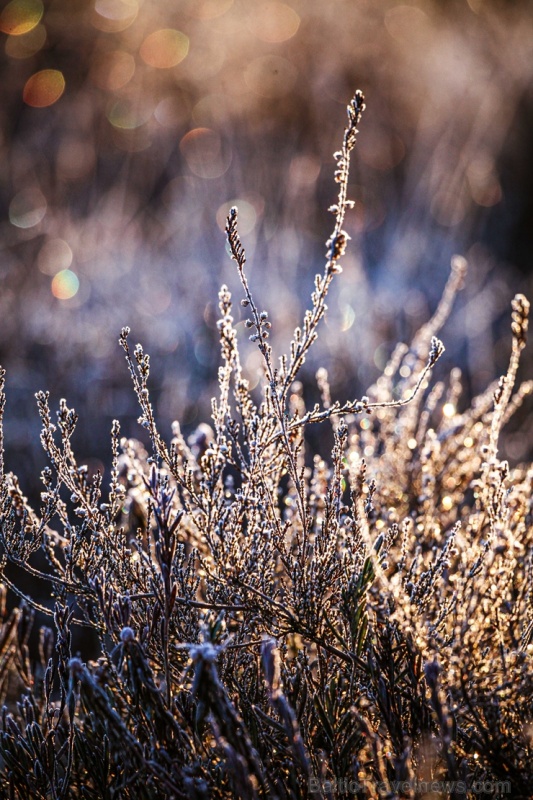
269, 624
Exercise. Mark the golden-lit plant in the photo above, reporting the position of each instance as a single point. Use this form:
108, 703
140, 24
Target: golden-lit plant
270, 625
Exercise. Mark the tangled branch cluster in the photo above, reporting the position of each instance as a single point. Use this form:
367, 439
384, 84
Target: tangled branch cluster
269, 624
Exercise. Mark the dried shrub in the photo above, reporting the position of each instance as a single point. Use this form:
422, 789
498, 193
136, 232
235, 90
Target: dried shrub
271, 625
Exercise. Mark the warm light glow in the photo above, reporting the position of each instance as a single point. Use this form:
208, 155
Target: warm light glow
274, 22
27, 44
65, 284
21, 16
112, 16
448, 410
447, 503
247, 215
55, 255
164, 48
44, 88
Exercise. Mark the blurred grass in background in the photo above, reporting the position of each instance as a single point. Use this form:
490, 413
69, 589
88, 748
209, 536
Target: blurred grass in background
130, 127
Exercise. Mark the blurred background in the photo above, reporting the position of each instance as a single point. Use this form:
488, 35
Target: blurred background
129, 128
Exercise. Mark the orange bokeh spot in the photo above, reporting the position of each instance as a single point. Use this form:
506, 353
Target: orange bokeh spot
21, 16
65, 284
164, 48
44, 88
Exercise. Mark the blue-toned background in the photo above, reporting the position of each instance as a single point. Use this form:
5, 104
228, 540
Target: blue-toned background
130, 127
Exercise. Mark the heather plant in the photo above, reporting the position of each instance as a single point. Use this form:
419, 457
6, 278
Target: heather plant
269, 624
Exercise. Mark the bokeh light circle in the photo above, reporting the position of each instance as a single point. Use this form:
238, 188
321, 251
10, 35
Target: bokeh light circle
113, 16
274, 22
205, 153
27, 208
55, 255
26, 45
407, 24
164, 48
21, 16
248, 214
129, 113
44, 88
173, 110
65, 284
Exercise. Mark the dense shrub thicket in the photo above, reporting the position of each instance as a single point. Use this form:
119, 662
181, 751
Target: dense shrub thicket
271, 625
